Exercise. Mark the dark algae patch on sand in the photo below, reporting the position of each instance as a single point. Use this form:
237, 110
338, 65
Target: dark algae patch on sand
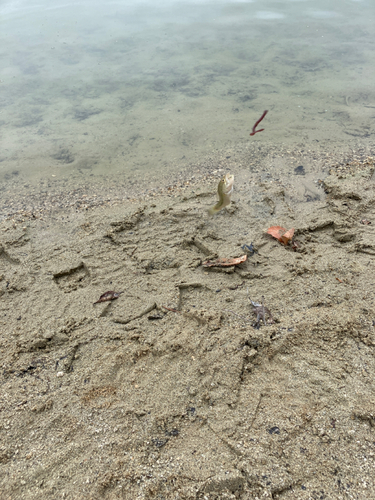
170, 392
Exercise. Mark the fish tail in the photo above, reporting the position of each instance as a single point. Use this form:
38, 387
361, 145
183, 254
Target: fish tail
214, 210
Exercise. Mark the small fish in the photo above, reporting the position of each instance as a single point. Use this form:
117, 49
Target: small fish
224, 262
108, 296
224, 190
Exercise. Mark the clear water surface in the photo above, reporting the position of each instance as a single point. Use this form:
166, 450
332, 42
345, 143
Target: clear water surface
110, 92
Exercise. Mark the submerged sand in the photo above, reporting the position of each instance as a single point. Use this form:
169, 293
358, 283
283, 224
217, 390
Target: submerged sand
170, 391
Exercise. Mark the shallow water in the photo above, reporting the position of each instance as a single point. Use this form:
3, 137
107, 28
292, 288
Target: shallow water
120, 93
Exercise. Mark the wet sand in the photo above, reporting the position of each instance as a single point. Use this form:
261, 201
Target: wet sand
171, 391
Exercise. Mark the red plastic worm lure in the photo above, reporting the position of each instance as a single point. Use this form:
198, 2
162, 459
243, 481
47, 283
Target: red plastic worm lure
257, 123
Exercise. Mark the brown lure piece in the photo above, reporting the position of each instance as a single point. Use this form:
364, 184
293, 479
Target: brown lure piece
108, 296
281, 234
224, 262
261, 311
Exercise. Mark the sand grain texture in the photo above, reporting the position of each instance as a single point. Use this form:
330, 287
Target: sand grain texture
169, 392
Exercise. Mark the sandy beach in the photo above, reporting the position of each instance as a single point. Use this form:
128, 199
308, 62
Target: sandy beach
172, 391
117, 123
